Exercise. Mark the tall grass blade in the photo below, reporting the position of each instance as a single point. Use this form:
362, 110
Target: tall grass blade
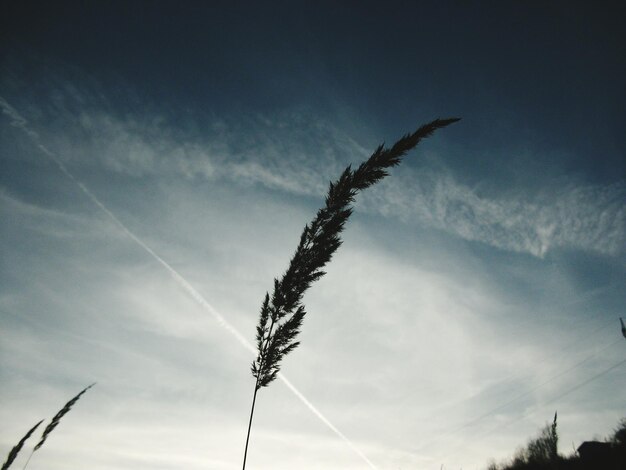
55, 421
16, 450
282, 314
62, 412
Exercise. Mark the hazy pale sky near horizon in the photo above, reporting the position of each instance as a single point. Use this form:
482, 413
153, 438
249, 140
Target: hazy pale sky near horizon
478, 289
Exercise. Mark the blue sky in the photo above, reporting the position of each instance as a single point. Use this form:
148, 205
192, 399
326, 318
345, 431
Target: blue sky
155, 157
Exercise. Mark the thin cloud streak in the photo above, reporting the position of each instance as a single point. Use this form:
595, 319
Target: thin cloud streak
472, 422
539, 407
316, 412
20, 122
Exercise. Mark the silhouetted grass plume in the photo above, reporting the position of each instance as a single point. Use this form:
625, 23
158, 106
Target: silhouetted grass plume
62, 412
282, 314
16, 450
55, 421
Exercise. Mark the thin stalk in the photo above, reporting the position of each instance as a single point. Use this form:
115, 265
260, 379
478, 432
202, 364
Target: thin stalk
28, 460
245, 453
256, 389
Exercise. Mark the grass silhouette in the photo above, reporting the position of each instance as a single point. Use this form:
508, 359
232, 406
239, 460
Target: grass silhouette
46, 432
282, 314
16, 450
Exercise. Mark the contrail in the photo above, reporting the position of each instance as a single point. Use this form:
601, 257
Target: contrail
330, 425
17, 120
515, 398
551, 401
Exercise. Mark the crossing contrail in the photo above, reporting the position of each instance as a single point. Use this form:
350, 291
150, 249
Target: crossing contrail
17, 120
526, 415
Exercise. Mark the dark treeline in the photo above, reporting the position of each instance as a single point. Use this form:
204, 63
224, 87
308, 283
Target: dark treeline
541, 453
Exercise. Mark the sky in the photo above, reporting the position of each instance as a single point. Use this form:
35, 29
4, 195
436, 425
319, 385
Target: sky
158, 161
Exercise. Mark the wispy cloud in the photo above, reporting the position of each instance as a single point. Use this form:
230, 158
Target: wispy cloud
298, 153
578, 216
